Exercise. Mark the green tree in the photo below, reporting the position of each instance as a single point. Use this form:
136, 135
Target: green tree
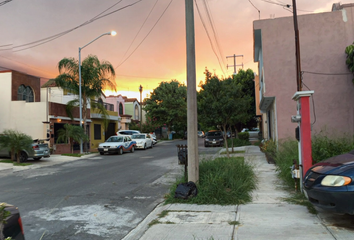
246, 81
221, 103
71, 133
350, 58
167, 105
96, 76
18, 143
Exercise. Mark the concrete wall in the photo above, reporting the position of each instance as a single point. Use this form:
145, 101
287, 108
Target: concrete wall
323, 39
26, 117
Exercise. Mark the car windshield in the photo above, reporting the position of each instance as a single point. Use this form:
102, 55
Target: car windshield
214, 134
115, 139
138, 136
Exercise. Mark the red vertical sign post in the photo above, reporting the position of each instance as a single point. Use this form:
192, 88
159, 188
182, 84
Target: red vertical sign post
303, 99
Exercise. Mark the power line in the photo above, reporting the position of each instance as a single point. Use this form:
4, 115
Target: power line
284, 5
146, 35
259, 12
53, 37
329, 74
211, 43
4, 2
140, 28
211, 21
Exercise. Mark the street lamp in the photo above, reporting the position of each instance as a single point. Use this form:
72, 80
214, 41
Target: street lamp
141, 107
113, 33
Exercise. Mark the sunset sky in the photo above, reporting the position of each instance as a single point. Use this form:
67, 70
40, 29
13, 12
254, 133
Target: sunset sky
150, 43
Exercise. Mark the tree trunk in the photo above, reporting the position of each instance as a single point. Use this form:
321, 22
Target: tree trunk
18, 157
225, 139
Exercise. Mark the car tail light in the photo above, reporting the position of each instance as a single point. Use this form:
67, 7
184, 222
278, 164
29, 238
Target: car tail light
20, 223
35, 147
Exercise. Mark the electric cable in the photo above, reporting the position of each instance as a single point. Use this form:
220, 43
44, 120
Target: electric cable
329, 74
53, 37
211, 43
140, 28
4, 2
259, 12
145, 35
211, 21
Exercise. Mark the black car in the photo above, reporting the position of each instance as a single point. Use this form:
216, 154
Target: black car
214, 138
329, 184
13, 226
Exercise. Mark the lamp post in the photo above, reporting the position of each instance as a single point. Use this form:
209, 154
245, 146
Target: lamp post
113, 33
141, 107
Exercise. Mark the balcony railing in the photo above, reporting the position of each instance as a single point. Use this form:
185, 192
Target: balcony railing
107, 106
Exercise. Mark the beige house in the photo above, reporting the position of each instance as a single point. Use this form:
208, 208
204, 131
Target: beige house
22, 106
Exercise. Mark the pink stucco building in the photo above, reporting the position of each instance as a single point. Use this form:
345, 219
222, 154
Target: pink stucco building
323, 39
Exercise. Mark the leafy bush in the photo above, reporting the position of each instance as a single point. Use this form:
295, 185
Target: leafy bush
287, 152
269, 147
237, 142
244, 136
324, 147
222, 181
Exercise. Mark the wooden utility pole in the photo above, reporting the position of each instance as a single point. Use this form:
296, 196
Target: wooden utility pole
235, 65
192, 120
297, 49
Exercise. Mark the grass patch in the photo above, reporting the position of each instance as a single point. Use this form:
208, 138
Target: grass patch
73, 154
223, 181
6, 161
300, 199
15, 163
22, 164
153, 222
232, 152
234, 223
237, 142
164, 213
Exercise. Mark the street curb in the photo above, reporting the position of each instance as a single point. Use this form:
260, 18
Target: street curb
143, 226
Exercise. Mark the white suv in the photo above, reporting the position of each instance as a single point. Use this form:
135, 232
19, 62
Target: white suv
127, 132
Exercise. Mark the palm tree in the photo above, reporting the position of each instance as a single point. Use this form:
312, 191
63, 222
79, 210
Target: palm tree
71, 133
16, 142
95, 77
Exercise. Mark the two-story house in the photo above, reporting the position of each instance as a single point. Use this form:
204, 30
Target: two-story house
22, 106
323, 39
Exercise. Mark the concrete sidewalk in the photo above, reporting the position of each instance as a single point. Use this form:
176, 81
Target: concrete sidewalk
266, 217
44, 162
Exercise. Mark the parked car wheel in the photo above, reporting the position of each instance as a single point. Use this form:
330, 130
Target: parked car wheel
37, 158
101, 153
23, 157
152, 144
132, 150
120, 151
145, 146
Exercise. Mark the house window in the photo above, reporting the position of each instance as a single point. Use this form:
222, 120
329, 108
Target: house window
120, 109
137, 112
97, 131
25, 94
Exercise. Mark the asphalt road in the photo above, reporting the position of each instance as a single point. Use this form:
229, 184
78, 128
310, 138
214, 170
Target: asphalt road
103, 197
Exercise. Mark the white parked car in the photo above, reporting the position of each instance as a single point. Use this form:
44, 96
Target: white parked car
143, 140
117, 144
154, 139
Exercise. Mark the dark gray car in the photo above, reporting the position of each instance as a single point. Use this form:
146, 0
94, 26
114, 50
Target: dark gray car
214, 138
